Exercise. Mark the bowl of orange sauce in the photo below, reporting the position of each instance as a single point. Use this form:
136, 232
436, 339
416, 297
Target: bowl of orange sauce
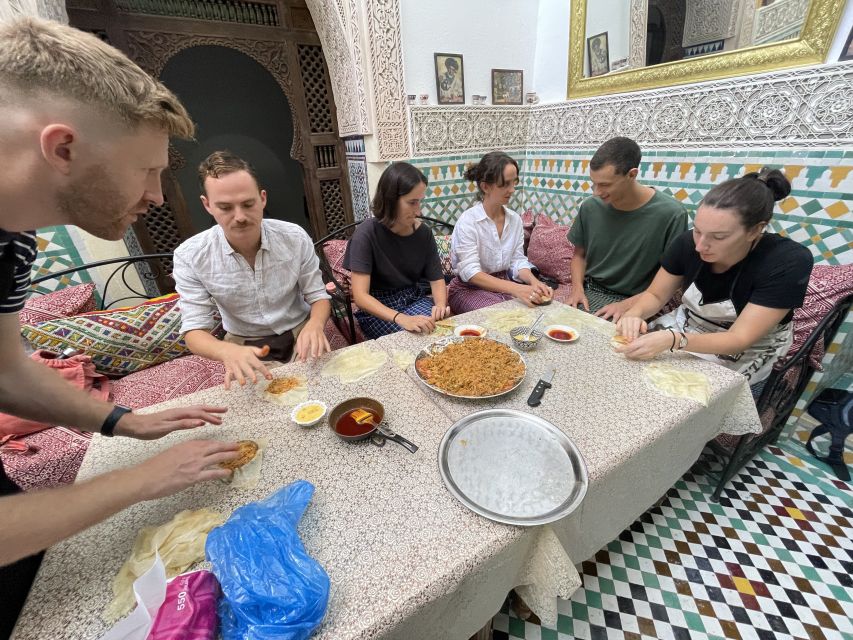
470, 331
561, 333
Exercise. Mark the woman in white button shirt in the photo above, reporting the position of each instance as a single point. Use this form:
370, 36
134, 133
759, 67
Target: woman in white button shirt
487, 249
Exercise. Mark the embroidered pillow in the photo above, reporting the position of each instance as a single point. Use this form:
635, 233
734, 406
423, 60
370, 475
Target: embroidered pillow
59, 304
120, 341
550, 249
334, 251
442, 243
828, 284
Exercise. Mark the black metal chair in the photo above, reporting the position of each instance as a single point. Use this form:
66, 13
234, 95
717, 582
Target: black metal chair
783, 388
157, 265
342, 313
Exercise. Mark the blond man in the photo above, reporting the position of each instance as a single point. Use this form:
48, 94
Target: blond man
84, 133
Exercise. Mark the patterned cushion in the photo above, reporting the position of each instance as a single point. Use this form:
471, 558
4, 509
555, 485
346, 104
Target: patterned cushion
59, 304
120, 341
334, 251
828, 284
54, 457
167, 381
550, 249
443, 244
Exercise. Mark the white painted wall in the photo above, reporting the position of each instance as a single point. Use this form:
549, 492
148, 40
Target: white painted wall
612, 16
490, 34
551, 66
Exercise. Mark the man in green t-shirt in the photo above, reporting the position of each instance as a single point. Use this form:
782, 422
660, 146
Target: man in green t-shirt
620, 233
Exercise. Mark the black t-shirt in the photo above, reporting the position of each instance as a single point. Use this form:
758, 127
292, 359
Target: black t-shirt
393, 262
774, 274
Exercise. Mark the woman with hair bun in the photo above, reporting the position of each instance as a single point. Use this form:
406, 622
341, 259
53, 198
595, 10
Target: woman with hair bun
487, 248
741, 284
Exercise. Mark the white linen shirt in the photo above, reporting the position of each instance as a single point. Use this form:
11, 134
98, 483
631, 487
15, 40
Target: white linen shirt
475, 245
272, 298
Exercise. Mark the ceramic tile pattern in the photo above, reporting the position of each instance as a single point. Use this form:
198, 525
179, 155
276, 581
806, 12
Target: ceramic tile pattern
772, 561
56, 251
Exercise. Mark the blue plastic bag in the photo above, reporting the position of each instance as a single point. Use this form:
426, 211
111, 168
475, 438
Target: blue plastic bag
271, 587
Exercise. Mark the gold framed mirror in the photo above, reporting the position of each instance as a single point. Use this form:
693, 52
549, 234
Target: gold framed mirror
810, 47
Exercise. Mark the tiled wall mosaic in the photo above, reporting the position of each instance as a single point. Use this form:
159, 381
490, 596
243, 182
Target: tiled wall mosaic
357, 167
817, 214
57, 252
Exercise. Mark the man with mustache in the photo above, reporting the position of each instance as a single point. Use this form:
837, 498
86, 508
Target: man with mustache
85, 136
261, 276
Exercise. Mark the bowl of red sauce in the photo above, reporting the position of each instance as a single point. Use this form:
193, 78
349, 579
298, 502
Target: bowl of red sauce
470, 331
561, 333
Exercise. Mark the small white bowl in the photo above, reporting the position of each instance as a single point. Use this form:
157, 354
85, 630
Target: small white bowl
301, 405
481, 331
561, 327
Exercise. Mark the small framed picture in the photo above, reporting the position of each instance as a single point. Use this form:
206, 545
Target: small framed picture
847, 51
507, 86
449, 78
598, 54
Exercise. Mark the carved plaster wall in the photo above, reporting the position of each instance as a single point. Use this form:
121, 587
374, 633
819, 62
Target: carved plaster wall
637, 30
709, 20
361, 39
779, 21
47, 9
339, 28
386, 74
799, 108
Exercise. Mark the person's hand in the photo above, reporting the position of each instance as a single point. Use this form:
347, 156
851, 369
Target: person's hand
578, 297
416, 324
312, 342
151, 426
631, 327
529, 295
440, 313
541, 290
613, 311
184, 465
243, 363
648, 346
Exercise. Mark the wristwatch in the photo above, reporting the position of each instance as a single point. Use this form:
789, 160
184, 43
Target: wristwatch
682, 343
111, 421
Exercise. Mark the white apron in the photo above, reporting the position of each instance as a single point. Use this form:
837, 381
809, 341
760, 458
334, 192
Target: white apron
693, 316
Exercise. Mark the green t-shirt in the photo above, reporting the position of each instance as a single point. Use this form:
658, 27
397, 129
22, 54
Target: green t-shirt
624, 248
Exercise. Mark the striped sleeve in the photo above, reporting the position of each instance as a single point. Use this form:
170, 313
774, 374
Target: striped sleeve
17, 253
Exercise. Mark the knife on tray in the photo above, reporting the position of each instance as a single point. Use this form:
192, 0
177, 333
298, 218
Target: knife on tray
539, 390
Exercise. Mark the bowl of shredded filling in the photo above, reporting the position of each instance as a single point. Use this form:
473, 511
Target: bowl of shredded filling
470, 367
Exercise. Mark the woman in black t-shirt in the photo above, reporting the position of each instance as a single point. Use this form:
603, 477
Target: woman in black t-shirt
390, 254
740, 284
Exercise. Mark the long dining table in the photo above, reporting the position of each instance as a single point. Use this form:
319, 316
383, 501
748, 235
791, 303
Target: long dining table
404, 557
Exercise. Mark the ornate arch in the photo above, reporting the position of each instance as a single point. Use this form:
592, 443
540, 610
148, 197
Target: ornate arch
152, 50
339, 30
364, 51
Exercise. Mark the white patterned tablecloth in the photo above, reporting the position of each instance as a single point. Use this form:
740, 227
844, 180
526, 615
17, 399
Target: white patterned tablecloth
406, 560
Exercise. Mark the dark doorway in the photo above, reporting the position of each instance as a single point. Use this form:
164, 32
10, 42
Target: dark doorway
238, 106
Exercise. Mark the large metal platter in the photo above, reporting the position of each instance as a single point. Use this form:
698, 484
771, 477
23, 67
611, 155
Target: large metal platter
512, 467
439, 345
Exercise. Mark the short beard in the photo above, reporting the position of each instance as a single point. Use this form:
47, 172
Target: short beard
95, 204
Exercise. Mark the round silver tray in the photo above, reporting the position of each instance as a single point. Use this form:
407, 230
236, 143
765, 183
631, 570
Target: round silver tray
439, 345
512, 467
